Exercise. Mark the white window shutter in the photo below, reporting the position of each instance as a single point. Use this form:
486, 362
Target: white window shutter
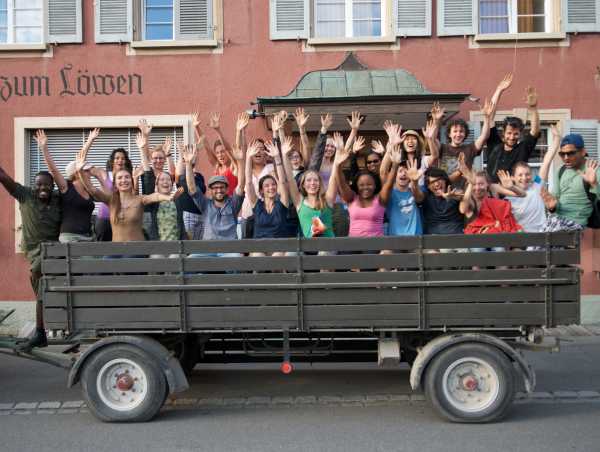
64, 21
113, 20
581, 15
456, 17
289, 19
413, 17
590, 131
193, 19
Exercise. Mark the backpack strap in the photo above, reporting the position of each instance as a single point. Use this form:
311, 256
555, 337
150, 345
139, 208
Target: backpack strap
587, 187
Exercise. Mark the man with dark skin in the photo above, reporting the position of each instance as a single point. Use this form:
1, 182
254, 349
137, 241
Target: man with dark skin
41, 216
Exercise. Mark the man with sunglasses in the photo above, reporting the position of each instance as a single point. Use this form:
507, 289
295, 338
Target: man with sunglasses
570, 202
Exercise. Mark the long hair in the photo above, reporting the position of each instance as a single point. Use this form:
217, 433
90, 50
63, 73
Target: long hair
418, 151
111, 160
321, 201
115, 199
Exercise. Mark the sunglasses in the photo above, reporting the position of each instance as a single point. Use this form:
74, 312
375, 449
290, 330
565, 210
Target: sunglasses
567, 154
373, 162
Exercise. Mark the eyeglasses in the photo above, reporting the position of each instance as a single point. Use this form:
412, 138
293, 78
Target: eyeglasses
567, 154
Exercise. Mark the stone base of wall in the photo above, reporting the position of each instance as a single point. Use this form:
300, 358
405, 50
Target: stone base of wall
24, 316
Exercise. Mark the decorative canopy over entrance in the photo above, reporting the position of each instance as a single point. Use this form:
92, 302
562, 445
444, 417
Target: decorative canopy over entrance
393, 94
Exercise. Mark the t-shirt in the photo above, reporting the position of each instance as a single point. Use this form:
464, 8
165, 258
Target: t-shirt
185, 200
441, 216
166, 216
307, 213
273, 224
220, 223
529, 211
403, 214
77, 212
499, 159
41, 221
573, 202
448, 160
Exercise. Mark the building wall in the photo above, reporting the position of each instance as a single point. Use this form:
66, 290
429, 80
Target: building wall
251, 65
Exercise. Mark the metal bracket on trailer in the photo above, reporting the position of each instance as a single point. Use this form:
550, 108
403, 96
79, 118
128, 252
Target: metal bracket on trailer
440, 343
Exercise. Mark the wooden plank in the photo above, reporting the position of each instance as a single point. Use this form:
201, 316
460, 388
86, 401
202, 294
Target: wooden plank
506, 258
360, 261
485, 314
233, 264
240, 246
112, 248
371, 296
242, 316
400, 315
256, 297
566, 313
55, 300
113, 315
119, 325
121, 265
342, 244
360, 277
125, 299
513, 274
499, 294
518, 240
56, 316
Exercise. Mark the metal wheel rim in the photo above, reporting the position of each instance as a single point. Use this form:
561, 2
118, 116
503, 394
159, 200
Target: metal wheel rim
471, 401
111, 395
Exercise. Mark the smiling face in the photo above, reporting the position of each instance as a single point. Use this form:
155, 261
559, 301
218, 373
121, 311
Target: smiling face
436, 185
260, 158
43, 185
164, 183
119, 161
311, 183
511, 136
480, 187
268, 189
218, 191
158, 160
365, 186
329, 148
402, 179
522, 177
221, 155
411, 143
457, 135
295, 160
373, 162
571, 156
123, 181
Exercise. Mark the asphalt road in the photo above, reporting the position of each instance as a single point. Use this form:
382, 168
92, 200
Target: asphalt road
324, 407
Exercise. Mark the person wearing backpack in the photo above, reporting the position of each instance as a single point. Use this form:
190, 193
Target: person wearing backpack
574, 201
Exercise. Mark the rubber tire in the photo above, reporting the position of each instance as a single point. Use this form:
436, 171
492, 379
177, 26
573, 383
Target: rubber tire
157, 385
491, 355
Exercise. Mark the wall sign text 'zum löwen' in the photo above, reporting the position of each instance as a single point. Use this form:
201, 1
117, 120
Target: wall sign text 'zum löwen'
72, 83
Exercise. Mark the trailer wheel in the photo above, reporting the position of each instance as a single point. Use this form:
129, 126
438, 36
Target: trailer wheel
470, 383
122, 383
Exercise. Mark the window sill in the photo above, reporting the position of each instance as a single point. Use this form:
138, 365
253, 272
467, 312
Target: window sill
23, 47
351, 41
173, 44
492, 37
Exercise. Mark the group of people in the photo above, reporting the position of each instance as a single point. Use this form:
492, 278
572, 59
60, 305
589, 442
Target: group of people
410, 185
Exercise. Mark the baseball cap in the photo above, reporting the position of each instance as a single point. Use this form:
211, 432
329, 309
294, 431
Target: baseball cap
217, 179
411, 132
573, 138
72, 168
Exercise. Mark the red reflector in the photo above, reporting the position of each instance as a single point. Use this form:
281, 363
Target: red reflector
286, 367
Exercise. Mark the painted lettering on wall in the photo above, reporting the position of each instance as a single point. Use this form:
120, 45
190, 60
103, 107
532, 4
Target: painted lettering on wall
70, 82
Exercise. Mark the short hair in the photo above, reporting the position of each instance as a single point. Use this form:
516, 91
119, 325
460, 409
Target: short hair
375, 177
262, 180
514, 122
435, 172
218, 142
483, 174
261, 141
458, 122
45, 174
520, 164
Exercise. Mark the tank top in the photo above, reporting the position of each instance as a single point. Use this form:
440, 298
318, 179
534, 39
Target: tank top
307, 213
77, 212
103, 209
231, 179
366, 221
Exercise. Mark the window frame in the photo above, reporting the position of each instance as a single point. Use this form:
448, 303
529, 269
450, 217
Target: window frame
550, 25
22, 124
349, 20
10, 27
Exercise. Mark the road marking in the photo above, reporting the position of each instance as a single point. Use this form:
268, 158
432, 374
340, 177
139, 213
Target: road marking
354, 400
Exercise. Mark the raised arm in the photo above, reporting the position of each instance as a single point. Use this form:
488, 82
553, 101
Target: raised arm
550, 153
145, 129
533, 113
502, 86
167, 147
42, 141
386, 189
99, 194
250, 190
394, 133
7, 181
189, 155
344, 189
429, 132
414, 174
437, 114
240, 130
289, 179
507, 186
316, 157
200, 138
215, 124
273, 152
301, 120
466, 203
159, 197
488, 110
94, 133
240, 160
355, 120
141, 142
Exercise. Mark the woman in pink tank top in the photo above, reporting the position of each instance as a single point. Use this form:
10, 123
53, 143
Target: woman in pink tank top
367, 199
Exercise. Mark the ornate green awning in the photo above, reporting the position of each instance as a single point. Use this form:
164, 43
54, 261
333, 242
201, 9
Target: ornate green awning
393, 94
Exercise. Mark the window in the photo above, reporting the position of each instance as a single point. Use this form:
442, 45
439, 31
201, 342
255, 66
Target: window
515, 16
157, 22
347, 18
21, 21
